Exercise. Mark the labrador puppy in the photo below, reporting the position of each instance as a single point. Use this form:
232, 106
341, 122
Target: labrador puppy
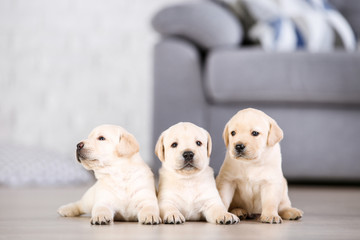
125, 187
187, 189
250, 181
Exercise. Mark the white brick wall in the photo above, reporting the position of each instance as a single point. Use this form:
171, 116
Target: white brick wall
69, 65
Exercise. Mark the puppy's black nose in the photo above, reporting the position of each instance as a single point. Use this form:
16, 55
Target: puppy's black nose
188, 155
239, 147
80, 145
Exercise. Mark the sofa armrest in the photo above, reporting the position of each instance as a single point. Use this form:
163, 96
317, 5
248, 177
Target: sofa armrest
178, 92
205, 23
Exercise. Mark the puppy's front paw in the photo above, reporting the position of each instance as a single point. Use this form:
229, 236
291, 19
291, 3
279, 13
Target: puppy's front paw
291, 214
101, 220
227, 218
270, 219
241, 213
150, 219
69, 210
174, 218
101, 216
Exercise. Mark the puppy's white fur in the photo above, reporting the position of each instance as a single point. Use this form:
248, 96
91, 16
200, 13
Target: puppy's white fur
187, 190
125, 187
251, 181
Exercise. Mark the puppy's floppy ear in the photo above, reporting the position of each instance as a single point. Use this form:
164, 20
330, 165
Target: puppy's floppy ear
209, 144
128, 145
160, 148
226, 135
275, 133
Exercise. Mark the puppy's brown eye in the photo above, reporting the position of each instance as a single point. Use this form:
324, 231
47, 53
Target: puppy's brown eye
198, 143
233, 133
101, 138
174, 145
254, 133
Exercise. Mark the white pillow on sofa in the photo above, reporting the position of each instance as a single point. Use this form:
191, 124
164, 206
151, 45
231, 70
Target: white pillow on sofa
287, 25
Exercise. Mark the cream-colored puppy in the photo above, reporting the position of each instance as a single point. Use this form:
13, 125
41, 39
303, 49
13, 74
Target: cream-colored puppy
125, 187
251, 181
187, 189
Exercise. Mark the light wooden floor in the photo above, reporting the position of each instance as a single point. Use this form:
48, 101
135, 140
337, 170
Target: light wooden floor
330, 213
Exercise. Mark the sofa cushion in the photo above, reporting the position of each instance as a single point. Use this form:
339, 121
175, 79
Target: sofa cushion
203, 22
250, 75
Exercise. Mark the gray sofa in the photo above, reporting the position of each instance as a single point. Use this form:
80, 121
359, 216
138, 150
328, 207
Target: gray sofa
202, 74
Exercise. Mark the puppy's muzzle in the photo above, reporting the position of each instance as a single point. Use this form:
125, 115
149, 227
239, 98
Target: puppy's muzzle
188, 159
240, 149
79, 146
188, 156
